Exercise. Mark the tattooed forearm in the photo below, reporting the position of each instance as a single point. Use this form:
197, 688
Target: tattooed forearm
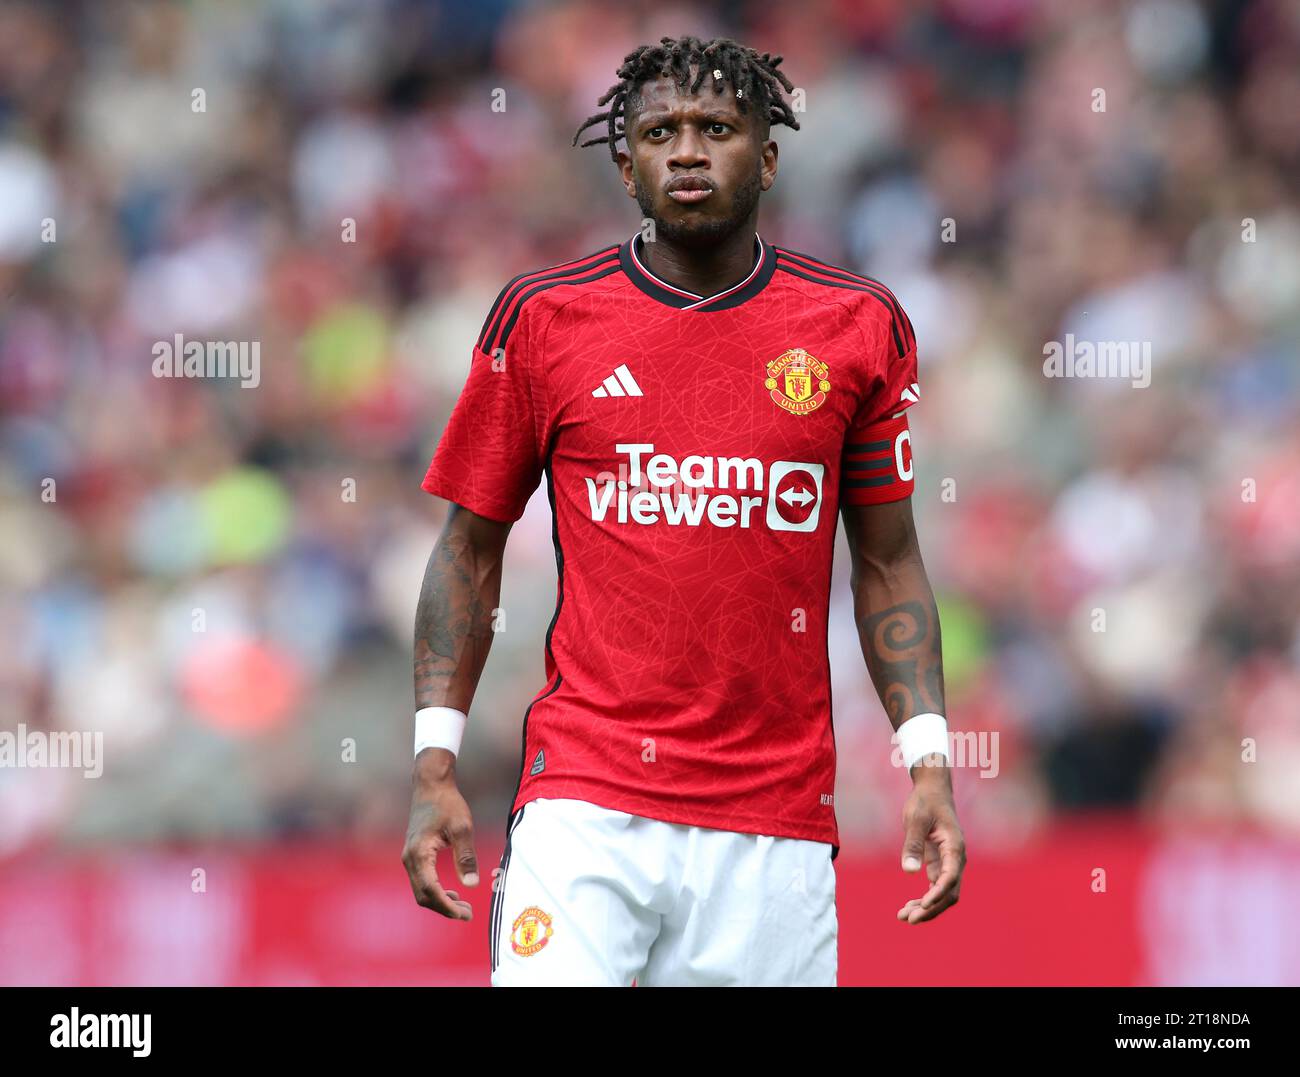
453, 622
902, 649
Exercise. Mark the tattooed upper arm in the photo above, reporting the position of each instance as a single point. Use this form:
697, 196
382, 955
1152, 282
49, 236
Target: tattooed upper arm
904, 657
481, 531
894, 607
453, 618
880, 534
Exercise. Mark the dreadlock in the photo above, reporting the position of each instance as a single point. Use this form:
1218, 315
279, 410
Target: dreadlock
754, 77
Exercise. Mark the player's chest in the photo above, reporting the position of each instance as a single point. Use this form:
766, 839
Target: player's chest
705, 385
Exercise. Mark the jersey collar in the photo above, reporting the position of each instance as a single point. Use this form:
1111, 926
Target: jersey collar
631, 256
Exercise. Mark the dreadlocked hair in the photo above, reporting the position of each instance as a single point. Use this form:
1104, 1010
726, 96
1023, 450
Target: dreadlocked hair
753, 78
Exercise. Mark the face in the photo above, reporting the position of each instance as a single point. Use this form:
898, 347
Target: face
678, 141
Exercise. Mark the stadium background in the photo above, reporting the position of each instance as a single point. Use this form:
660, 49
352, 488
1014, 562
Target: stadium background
1173, 508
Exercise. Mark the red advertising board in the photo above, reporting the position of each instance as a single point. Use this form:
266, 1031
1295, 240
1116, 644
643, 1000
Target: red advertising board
1103, 903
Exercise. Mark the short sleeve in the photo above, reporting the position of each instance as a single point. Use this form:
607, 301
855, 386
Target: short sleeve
877, 463
489, 459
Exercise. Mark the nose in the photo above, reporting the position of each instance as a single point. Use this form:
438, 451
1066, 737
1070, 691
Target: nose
689, 149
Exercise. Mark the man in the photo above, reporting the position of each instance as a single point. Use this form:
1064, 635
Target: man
701, 404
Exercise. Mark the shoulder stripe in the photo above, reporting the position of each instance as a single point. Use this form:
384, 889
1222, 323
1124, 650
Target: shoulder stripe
852, 286
510, 297
808, 262
596, 272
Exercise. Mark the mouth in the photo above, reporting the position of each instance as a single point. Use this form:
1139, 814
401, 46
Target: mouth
689, 189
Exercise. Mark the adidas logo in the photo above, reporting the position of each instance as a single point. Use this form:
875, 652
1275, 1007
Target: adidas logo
620, 383
539, 764
912, 394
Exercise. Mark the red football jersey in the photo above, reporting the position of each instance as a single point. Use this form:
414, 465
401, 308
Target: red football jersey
697, 450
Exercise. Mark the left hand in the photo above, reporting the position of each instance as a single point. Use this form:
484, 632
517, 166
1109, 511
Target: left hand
932, 833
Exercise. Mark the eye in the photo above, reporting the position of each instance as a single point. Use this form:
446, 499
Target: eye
718, 123
651, 133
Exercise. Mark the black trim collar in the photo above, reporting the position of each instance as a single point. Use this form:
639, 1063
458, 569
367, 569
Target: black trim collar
629, 256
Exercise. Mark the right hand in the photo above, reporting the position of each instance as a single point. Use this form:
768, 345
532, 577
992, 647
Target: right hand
440, 818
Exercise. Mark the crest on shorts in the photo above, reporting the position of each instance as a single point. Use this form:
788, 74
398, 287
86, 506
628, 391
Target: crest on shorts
531, 931
797, 381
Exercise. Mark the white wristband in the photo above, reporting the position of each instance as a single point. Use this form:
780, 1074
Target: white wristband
439, 727
922, 735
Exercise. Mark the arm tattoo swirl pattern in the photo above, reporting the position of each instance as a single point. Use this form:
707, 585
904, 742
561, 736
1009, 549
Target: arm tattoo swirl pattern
904, 656
453, 625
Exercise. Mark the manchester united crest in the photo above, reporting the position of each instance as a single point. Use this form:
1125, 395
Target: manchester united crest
531, 931
797, 381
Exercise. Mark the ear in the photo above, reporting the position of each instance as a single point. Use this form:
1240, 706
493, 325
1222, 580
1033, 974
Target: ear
768, 165
627, 172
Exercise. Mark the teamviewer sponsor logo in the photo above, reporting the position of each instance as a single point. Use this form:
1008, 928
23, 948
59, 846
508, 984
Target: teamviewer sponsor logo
652, 488
796, 499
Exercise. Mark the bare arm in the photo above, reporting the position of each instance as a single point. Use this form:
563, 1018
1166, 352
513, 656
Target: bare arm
453, 634
453, 620
894, 608
898, 626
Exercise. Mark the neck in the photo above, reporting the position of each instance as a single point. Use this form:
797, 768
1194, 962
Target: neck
702, 270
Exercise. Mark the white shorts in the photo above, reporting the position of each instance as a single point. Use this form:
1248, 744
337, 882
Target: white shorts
588, 896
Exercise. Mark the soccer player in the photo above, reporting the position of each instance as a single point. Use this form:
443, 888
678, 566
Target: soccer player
702, 404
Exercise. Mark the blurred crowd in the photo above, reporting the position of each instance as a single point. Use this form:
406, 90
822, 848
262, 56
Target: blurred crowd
223, 578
